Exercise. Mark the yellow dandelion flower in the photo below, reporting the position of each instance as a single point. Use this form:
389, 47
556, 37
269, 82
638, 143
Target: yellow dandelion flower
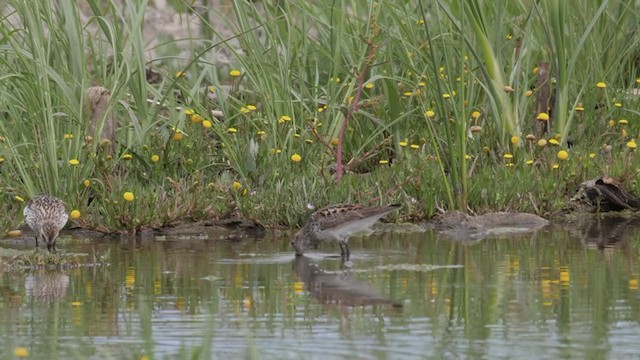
383, 162
638, 81
296, 158
554, 142
420, 22
542, 143
177, 136
543, 116
422, 84
509, 164
515, 140
562, 155
555, 166
529, 162
632, 144
508, 37
207, 124
276, 151
624, 133
196, 118
235, 73
334, 141
75, 214
252, 107
408, 93
467, 157
528, 93
127, 157
612, 123
403, 143
284, 118
446, 96
74, 162
261, 133
369, 86
180, 74
69, 136
601, 85
415, 146
579, 107
592, 155
155, 158
486, 150
86, 183
128, 196
429, 113
1, 160
18, 198
476, 114
212, 89
535, 70
623, 122
232, 130
308, 141
236, 185
507, 156
617, 104
189, 112
244, 110
321, 109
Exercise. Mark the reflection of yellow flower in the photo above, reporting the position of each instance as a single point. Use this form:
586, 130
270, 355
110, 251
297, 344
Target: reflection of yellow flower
296, 158
75, 214
128, 196
21, 352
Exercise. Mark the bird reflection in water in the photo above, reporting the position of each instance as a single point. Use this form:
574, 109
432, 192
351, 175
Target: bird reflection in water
338, 288
46, 286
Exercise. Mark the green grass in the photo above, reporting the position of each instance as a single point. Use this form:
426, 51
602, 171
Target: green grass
310, 71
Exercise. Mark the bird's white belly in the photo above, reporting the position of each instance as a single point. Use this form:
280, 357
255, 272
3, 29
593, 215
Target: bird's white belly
344, 231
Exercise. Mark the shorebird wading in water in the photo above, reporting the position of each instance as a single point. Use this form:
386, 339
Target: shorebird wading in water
46, 216
338, 223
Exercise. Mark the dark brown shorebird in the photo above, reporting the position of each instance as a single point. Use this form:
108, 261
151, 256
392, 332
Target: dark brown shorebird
46, 216
338, 223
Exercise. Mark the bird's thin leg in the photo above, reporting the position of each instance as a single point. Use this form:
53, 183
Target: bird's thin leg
36, 241
346, 245
341, 249
53, 246
49, 247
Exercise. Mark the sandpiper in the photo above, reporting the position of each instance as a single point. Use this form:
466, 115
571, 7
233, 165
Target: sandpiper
338, 223
46, 216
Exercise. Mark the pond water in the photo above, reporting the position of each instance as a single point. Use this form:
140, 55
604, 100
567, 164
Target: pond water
567, 291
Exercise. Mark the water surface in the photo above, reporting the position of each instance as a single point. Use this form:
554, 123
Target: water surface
567, 291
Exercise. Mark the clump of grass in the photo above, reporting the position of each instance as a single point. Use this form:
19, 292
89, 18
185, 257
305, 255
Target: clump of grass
435, 98
11, 259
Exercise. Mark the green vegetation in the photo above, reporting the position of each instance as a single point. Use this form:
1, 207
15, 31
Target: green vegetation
428, 104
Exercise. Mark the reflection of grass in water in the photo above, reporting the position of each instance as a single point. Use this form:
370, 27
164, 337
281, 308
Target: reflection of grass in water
11, 259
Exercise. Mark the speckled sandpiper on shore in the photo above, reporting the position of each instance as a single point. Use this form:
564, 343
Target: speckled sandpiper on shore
338, 223
46, 216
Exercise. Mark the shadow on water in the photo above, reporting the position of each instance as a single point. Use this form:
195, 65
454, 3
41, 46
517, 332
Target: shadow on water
338, 288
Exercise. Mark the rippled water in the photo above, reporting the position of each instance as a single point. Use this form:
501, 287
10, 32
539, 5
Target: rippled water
567, 291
